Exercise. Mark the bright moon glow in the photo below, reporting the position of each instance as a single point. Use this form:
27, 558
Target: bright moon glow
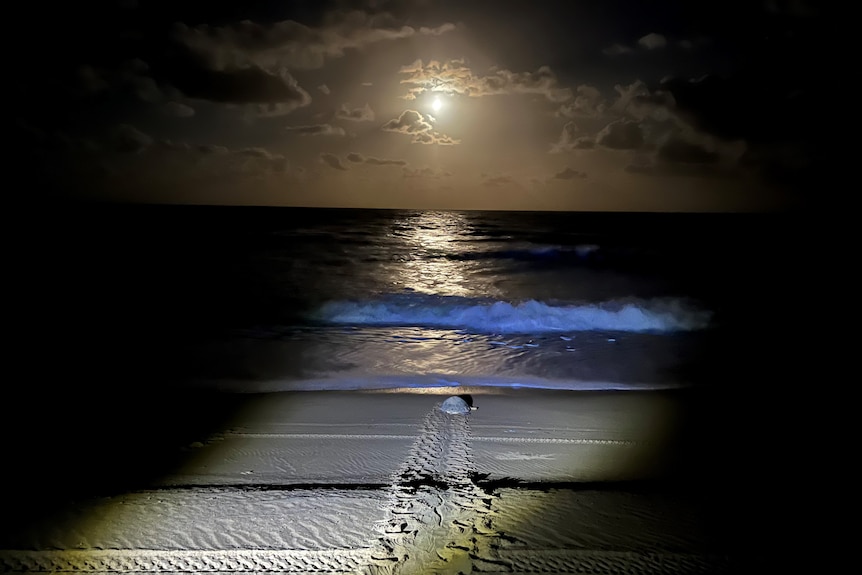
437, 104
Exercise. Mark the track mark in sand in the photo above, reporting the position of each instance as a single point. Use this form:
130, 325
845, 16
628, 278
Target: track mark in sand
149, 561
438, 520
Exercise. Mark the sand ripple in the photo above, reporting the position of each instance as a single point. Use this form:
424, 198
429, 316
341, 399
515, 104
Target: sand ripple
214, 519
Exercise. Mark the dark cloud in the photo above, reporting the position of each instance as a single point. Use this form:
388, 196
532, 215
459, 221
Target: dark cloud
358, 158
497, 181
212, 149
652, 41
730, 108
656, 168
293, 44
637, 101
318, 130
332, 161
363, 114
130, 78
263, 158
779, 119
621, 135
425, 172
569, 174
586, 103
90, 80
272, 94
571, 140
648, 42
584, 143
129, 140
678, 150
617, 50
223, 159
145, 88
384, 162
178, 110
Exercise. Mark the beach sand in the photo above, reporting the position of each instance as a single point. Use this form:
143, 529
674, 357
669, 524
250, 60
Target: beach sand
385, 482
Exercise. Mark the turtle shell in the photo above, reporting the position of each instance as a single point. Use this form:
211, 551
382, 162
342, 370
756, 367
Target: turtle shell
456, 406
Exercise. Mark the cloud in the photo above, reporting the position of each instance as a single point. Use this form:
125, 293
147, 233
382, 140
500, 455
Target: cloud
569, 174
409, 122
587, 103
128, 78
755, 108
638, 102
129, 140
324, 89
260, 158
271, 94
147, 166
621, 135
178, 110
570, 140
654, 167
358, 158
497, 181
678, 150
435, 138
425, 172
685, 152
289, 43
318, 130
455, 77
212, 149
413, 123
652, 41
90, 80
332, 161
364, 114
438, 31
734, 108
616, 50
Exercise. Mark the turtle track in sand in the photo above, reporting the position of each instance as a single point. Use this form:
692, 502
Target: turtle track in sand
438, 519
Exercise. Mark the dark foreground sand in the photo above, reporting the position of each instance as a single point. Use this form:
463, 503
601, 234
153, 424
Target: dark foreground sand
384, 482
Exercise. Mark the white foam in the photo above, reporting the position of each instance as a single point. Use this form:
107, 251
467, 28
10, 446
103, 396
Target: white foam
636, 315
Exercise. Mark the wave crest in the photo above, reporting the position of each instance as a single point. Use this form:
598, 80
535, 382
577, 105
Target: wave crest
531, 316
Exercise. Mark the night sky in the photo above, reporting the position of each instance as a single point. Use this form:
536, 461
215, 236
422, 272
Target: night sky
622, 105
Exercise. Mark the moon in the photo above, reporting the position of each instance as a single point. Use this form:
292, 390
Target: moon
437, 104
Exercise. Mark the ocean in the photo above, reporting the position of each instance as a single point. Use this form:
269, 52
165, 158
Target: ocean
246, 299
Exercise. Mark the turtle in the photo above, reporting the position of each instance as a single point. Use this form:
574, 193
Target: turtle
456, 405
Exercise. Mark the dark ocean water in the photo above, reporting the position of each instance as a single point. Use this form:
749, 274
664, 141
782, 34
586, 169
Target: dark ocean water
262, 299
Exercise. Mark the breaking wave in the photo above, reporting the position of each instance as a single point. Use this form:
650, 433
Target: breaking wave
655, 315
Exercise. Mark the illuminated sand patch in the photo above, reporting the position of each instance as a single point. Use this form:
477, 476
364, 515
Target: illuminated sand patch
442, 506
